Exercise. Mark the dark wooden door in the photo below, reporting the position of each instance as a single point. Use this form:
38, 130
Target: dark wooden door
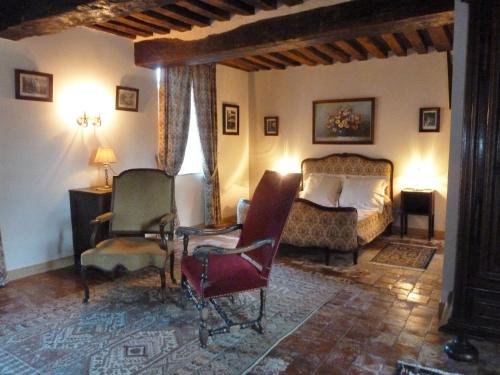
476, 308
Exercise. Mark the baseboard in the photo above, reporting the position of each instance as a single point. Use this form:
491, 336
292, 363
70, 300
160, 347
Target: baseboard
419, 232
35, 269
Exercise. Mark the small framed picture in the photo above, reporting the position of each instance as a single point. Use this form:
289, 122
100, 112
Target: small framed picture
230, 119
127, 99
271, 125
33, 85
429, 120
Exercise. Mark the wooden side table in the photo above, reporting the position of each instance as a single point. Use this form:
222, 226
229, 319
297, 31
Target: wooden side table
417, 202
86, 204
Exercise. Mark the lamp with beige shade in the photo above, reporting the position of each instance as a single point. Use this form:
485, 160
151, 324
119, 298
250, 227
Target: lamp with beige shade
105, 156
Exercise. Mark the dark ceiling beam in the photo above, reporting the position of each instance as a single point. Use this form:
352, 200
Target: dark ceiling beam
183, 15
125, 29
253, 63
232, 6
112, 31
333, 52
372, 46
21, 19
237, 64
316, 56
353, 48
292, 2
159, 20
206, 10
280, 59
298, 57
416, 41
396, 46
349, 20
440, 38
265, 61
263, 4
141, 25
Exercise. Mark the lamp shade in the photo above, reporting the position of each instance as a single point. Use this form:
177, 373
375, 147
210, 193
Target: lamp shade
105, 155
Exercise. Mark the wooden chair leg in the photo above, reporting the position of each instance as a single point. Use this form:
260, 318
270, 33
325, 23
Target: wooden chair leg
355, 256
259, 326
203, 330
182, 297
172, 260
83, 272
162, 278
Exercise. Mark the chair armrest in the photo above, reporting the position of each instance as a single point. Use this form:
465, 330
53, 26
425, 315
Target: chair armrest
203, 251
191, 231
188, 231
101, 219
164, 221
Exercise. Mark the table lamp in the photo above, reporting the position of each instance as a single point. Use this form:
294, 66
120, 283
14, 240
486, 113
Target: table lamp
105, 156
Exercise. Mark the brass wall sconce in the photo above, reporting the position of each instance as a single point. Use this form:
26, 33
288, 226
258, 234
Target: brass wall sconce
84, 120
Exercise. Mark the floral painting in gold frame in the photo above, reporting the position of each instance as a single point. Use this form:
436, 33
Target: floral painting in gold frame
343, 121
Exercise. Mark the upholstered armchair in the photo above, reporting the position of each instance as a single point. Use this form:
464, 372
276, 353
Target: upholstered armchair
142, 203
212, 272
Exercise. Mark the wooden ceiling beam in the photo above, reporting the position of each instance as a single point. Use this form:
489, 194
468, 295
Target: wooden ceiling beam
344, 21
40, 17
142, 25
298, 57
263, 4
112, 31
353, 48
333, 52
396, 46
159, 20
125, 29
257, 65
233, 6
416, 41
183, 15
266, 62
280, 59
206, 10
316, 56
372, 46
239, 65
291, 3
440, 38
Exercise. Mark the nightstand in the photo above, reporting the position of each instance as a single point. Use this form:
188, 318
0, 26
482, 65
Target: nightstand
417, 202
86, 204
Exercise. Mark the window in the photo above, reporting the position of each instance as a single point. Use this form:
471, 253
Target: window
193, 157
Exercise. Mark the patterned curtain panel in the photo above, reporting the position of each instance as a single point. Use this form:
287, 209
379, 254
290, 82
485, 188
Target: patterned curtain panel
173, 118
205, 98
3, 269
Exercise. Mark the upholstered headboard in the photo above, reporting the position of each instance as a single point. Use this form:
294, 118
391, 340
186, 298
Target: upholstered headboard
350, 164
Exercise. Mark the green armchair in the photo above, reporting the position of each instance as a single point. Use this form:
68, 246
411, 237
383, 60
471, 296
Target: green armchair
142, 203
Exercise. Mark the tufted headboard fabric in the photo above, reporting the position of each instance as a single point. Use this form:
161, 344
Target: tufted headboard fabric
350, 164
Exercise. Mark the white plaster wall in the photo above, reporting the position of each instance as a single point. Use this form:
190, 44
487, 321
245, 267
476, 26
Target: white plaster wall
401, 85
233, 88
43, 153
452, 208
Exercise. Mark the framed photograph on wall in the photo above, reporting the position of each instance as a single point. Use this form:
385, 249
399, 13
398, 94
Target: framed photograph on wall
33, 85
230, 119
127, 99
343, 121
429, 120
271, 125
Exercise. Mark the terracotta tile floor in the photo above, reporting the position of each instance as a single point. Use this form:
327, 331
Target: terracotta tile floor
391, 315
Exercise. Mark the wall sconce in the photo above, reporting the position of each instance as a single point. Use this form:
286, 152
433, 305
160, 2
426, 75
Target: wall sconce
84, 120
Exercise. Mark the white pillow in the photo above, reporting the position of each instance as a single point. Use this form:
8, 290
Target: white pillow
322, 189
363, 193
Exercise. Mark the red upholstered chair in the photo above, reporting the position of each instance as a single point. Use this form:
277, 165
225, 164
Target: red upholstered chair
212, 272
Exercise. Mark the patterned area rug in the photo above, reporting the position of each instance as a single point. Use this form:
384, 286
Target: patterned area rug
405, 255
128, 329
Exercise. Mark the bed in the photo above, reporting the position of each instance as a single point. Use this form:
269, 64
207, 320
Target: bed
341, 228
